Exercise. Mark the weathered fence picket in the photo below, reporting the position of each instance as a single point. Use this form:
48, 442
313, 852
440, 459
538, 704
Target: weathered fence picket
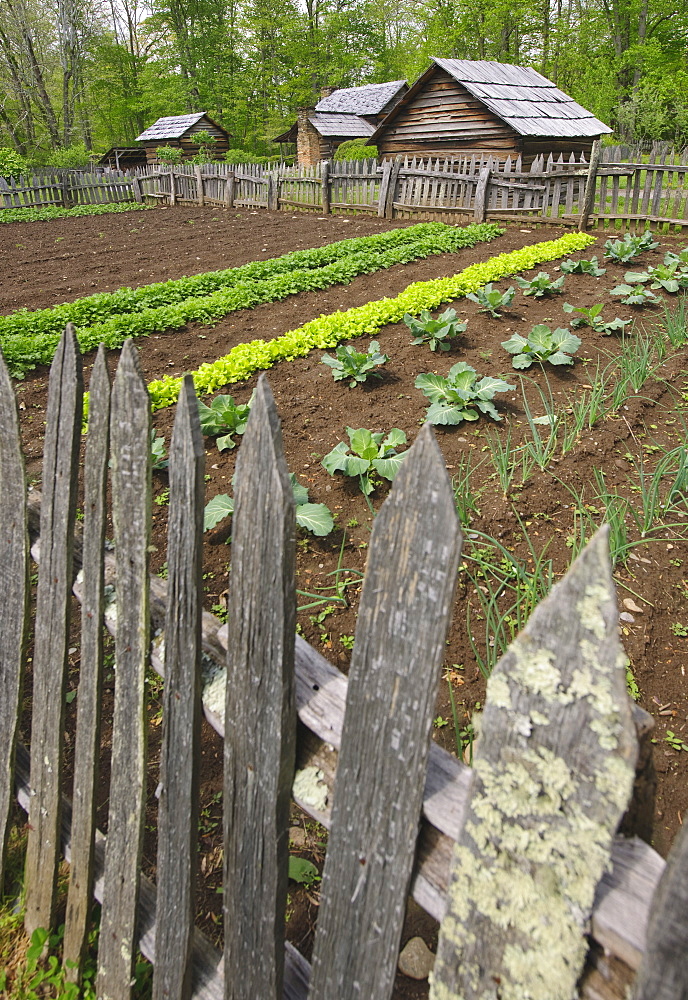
400, 804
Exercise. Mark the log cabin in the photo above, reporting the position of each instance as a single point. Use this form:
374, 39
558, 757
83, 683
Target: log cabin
347, 113
123, 158
178, 131
461, 106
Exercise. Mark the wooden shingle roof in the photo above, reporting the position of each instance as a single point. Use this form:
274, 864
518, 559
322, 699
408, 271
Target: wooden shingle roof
335, 126
527, 101
370, 99
173, 127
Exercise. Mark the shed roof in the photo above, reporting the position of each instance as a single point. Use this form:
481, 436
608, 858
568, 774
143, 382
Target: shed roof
334, 126
523, 98
370, 99
172, 127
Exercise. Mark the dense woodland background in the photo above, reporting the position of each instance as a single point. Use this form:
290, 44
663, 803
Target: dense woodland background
80, 75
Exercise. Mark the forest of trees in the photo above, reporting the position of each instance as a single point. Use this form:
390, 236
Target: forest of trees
80, 75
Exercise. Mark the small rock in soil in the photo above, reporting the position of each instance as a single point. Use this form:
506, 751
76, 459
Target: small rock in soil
416, 960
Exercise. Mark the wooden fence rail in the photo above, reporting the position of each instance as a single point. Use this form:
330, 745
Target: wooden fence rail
519, 864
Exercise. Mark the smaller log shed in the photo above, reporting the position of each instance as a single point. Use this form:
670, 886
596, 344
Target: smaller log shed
461, 106
178, 131
348, 113
123, 157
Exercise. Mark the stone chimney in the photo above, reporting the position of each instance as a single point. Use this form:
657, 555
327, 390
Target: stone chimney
327, 91
307, 140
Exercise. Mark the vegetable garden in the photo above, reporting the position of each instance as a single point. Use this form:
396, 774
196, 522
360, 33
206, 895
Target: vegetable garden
546, 432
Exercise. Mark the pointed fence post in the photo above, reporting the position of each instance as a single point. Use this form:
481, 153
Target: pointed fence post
87, 746
260, 709
181, 750
554, 769
14, 607
589, 196
51, 642
395, 669
481, 194
130, 432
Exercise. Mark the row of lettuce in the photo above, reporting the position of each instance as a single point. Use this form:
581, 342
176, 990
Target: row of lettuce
47, 212
29, 338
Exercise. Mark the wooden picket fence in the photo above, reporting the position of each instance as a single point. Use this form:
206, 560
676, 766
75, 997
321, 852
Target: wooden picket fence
66, 188
519, 858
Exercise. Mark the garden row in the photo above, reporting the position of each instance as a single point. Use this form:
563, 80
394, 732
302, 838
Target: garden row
54, 212
29, 338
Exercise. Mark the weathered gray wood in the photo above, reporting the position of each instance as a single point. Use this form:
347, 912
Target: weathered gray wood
51, 636
181, 750
14, 586
130, 428
87, 746
663, 973
325, 186
260, 702
392, 187
173, 187
554, 772
402, 624
200, 193
481, 194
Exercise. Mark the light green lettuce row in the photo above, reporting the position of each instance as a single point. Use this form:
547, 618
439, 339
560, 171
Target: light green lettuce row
326, 332
56, 212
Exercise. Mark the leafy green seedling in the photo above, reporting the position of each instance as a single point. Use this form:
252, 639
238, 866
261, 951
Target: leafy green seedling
303, 871
541, 285
592, 317
542, 344
491, 300
676, 258
636, 295
159, 460
371, 453
223, 419
670, 277
435, 332
350, 363
675, 742
583, 267
314, 517
462, 395
621, 251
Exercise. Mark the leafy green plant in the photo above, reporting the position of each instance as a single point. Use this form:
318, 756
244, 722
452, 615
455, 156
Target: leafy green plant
491, 300
621, 251
462, 395
671, 258
370, 453
303, 871
53, 212
670, 277
217, 509
223, 419
583, 267
355, 365
159, 460
675, 742
11, 163
592, 317
170, 155
635, 295
435, 332
314, 517
541, 285
542, 344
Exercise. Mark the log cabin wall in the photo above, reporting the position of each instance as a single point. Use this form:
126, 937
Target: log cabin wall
188, 146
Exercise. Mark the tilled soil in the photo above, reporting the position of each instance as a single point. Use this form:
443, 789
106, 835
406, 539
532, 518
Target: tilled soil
51, 262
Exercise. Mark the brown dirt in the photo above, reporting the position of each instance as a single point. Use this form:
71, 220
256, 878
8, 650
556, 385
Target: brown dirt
65, 259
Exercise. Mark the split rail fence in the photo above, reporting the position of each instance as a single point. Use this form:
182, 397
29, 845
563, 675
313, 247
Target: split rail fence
519, 858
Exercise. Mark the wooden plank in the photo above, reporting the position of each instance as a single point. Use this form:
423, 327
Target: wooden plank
391, 190
590, 184
51, 635
554, 766
200, 192
130, 431
181, 749
325, 186
87, 745
259, 758
480, 194
14, 584
400, 638
173, 187
663, 973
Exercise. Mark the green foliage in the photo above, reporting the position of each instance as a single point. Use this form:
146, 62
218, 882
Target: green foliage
217, 509
303, 871
11, 163
371, 453
592, 317
328, 331
670, 277
621, 251
29, 338
53, 212
170, 155
71, 157
462, 395
541, 285
355, 365
159, 460
583, 267
636, 295
491, 300
355, 149
435, 332
222, 419
542, 344
314, 517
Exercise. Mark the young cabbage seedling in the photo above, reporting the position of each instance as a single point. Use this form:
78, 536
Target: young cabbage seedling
371, 453
542, 344
491, 300
621, 251
670, 277
352, 364
583, 267
222, 419
435, 332
314, 517
636, 295
541, 285
159, 460
592, 317
462, 395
